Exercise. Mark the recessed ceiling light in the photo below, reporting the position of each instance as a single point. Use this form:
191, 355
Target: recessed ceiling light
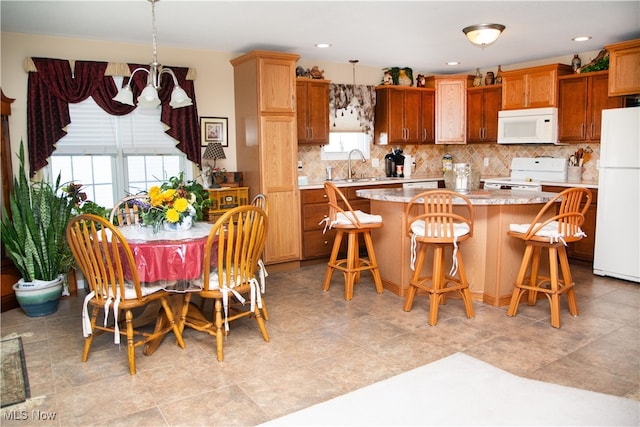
453, 63
323, 45
581, 38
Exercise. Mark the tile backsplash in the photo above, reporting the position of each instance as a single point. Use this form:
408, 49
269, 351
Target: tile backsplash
428, 159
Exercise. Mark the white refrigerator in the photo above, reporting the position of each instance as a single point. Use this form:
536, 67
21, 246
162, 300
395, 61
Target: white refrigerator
617, 251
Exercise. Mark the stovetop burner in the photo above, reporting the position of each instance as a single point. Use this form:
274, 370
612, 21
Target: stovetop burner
528, 172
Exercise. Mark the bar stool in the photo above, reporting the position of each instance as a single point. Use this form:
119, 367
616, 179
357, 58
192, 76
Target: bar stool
431, 223
552, 234
353, 224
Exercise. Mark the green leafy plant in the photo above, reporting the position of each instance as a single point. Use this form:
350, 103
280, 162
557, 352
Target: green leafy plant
34, 234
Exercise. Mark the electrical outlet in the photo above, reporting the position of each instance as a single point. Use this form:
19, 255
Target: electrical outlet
300, 164
375, 162
486, 161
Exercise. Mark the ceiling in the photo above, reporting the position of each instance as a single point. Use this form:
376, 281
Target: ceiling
423, 35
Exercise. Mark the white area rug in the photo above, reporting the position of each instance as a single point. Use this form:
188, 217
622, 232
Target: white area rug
461, 390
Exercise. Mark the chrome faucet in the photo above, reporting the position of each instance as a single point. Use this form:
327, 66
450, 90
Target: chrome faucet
350, 171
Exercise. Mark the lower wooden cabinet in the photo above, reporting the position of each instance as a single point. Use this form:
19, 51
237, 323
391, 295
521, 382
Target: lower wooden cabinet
314, 208
583, 249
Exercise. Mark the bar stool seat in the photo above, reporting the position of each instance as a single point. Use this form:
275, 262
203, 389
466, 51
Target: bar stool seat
552, 234
432, 224
353, 223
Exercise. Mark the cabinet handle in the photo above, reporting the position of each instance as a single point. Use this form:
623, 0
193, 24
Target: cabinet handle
424, 134
325, 196
593, 126
311, 133
583, 130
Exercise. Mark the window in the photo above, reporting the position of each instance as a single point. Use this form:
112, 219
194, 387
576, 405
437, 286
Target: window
112, 156
341, 143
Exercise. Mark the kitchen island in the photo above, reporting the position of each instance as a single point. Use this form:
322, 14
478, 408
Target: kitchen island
491, 257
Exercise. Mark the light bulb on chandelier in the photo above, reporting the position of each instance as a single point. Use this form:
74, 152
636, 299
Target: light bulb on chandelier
149, 96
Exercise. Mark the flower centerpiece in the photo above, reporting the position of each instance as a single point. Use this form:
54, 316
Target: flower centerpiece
174, 204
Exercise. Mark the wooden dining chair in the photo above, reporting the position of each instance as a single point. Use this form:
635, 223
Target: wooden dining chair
432, 224
126, 212
104, 256
353, 224
232, 251
561, 226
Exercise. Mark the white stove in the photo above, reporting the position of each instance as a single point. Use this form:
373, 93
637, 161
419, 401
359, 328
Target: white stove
527, 173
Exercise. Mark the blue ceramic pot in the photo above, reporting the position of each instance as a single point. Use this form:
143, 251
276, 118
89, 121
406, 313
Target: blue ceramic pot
39, 298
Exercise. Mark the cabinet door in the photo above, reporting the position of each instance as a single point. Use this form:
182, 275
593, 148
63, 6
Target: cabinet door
302, 107
451, 106
412, 117
540, 89
475, 115
318, 112
600, 100
428, 105
491, 106
572, 111
277, 85
624, 78
513, 91
395, 115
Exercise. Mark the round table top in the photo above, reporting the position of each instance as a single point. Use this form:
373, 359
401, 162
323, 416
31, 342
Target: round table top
138, 233
477, 197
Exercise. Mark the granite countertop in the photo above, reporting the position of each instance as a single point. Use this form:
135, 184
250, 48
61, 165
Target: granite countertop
478, 197
389, 180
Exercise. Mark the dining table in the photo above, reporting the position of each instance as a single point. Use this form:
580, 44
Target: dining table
171, 260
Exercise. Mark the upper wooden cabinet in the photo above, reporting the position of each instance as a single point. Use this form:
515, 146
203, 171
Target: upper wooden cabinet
534, 87
312, 102
398, 115
266, 143
624, 68
451, 107
428, 104
483, 104
581, 99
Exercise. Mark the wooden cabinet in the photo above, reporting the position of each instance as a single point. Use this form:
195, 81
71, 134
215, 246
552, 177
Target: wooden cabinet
584, 248
428, 104
581, 99
225, 199
624, 68
400, 116
483, 104
314, 208
266, 143
451, 107
534, 87
312, 103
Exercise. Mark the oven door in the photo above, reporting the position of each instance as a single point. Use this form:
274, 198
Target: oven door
502, 185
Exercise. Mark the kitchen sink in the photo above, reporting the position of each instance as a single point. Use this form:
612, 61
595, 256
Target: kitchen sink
363, 179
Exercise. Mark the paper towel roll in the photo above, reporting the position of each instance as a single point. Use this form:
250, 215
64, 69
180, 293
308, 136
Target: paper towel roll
408, 165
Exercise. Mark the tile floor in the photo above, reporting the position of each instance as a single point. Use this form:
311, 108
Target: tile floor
321, 347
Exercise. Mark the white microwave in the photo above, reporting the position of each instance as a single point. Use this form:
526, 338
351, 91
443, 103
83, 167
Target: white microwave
528, 126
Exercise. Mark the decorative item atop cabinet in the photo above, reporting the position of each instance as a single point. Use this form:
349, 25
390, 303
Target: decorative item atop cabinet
451, 107
534, 87
312, 108
483, 104
266, 145
624, 68
581, 99
404, 115
499, 75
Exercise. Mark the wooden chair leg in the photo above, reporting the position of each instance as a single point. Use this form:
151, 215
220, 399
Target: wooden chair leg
261, 324
422, 251
217, 313
352, 263
517, 291
466, 295
438, 284
533, 281
375, 272
568, 281
88, 340
332, 260
130, 345
555, 287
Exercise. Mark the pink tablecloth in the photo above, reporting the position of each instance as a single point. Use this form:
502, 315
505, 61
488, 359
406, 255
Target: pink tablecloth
167, 255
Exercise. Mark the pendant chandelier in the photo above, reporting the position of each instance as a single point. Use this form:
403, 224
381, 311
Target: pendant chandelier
149, 96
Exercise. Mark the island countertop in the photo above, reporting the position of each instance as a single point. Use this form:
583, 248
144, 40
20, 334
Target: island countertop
491, 257
477, 197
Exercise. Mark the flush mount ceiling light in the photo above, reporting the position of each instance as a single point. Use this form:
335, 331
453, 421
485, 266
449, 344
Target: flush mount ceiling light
483, 34
581, 38
149, 96
323, 45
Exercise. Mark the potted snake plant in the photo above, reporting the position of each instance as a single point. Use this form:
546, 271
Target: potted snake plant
34, 238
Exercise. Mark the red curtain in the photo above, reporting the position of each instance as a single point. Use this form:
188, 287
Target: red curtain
54, 86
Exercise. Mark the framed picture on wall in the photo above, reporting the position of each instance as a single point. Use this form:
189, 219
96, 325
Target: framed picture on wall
214, 129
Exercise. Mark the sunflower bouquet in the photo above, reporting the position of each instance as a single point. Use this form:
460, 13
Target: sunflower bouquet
174, 201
